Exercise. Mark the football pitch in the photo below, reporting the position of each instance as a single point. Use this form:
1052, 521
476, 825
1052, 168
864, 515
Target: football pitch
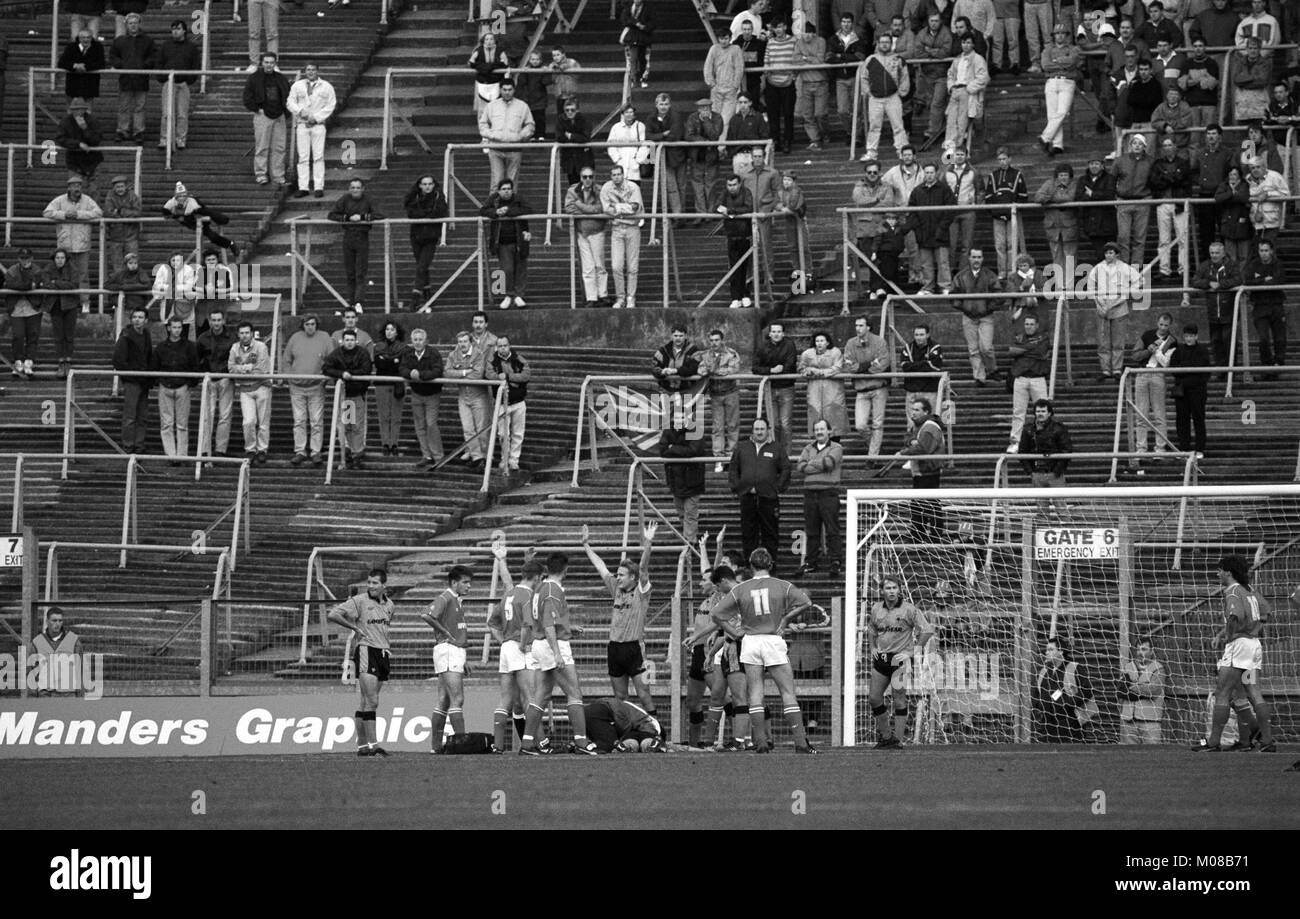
955, 787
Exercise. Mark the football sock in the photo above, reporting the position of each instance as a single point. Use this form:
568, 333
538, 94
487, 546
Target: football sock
794, 718
457, 717
1264, 716
578, 721
532, 725
368, 727
757, 728
1246, 721
1216, 727
882, 721
439, 718
696, 720
712, 719
519, 722
500, 718
740, 725
359, 721
900, 722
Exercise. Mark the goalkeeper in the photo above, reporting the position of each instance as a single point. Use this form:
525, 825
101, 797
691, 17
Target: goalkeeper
613, 722
894, 629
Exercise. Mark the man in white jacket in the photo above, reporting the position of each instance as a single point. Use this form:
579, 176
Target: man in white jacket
1113, 286
311, 102
505, 120
621, 200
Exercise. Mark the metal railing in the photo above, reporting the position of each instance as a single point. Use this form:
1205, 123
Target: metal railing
200, 22
136, 153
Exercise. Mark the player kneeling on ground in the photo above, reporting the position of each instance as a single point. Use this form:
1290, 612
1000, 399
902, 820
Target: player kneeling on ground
894, 628
766, 606
617, 724
368, 616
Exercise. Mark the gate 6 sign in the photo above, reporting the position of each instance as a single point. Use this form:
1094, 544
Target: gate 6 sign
1076, 542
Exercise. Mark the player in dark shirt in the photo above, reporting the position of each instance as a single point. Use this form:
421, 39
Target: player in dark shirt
446, 618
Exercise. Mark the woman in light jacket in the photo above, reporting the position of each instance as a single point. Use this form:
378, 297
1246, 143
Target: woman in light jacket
820, 364
629, 131
174, 288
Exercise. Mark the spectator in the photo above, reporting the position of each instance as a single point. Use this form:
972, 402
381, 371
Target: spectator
24, 314
1210, 162
1140, 99
134, 352
1095, 38
425, 201
753, 16
357, 213
960, 177
214, 281
251, 362
961, 27
79, 136
1282, 113
764, 185
85, 17
866, 353
811, 86
485, 342
977, 317
676, 365
724, 74
175, 355
1190, 389
777, 356
266, 95
132, 51
583, 199
572, 127
685, 481
703, 125
1266, 189
889, 248
745, 126
820, 463
1216, 25
1031, 282
819, 365
920, 355
214, 347
968, 75
869, 191
347, 363
73, 213
59, 275
505, 120
1251, 74
509, 367
1062, 698
177, 53
846, 46
1005, 33
736, 204
531, 84
564, 83
794, 218
638, 27
1144, 697
1098, 223
1158, 28
311, 102
932, 228
885, 80
905, 177
305, 354
1167, 64
187, 209
1006, 185
350, 324
718, 364
1267, 306
387, 355
753, 50
1060, 222
508, 240
1113, 285
173, 289
1031, 363
1232, 199
490, 65
621, 202
1173, 119
667, 126
423, 365
759, 472
1199, 81
779, 94
56, 651
1219, 277
1259, 25
121, 203
1133, 183
83, 58
1061, 63
925, 440
1259, 145
473, 403
1171, 178
981, 15
1051, 438
263, 24
934, 42
1153, 351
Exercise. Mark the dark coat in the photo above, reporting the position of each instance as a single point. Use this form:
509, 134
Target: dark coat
515, 208
179, 55
637, 27
762, 467
133, 52
356, 362
669, 128
689, 366
255, 93
420, 206
685, 480
931, 227
1097, 222
175, 357
82, 85
1234, 211
1053, 438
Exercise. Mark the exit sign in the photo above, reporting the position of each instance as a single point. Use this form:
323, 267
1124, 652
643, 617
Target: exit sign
11, 551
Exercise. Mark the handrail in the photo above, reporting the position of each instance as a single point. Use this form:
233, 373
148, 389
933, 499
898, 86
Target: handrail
52, 567
204, 19
136, 152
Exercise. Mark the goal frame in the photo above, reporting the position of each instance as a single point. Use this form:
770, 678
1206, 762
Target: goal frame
858, 530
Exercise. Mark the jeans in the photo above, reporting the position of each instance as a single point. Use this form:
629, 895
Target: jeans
780, 113
928, 258
263, 22
356, 264
821, 514
844, 104
1110, 344
181, 108
1270, 328
811, 106
255, 409
726, 422
760, 523
625, 256
79, 263
308, 404
591, 253
424, 252
958, 113
26, 332
688, 511
1149, 399
738, 258
269, 140
355, 420
1024, 393
135, 415
174, 419
927, 515
504, 165
515, 268
961, 238
475, 409
1060, 97
130, 113
64, 324
424, 412
979, 346
1002, 243
388, 406
310, 139
1038, 28
890, 107
703, 177
1189, 410
221, 402
1050, 507
932, 90
1006, 33
869, 413
1171, 224
783, 405
724, 101
513, 423
1133, 219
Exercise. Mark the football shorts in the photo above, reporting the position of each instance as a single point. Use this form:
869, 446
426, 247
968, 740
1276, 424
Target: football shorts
512, 658
765, 650
624, 658
1243, 653
544, 658
373, 661
448, 658
728, 658
697, 669
888, 664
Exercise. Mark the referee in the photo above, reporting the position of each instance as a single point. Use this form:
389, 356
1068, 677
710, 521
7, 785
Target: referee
630, 591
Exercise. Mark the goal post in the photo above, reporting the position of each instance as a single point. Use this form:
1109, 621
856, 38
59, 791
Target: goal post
1120, 581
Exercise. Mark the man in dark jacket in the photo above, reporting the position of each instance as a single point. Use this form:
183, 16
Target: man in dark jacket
1048, 436
1210, 163
735, 204
509, 366
357, 213
214, 346
759, 472
508, 240
777, 355
667, 126
703, 124
134, 351
1006, 185
178, 53
82, 58
932, 228
676, 364
136, 282
265, 95
422, 365
685, 480
132, 51
79, 136
348, 363
977, 316
1219, 277
846, 46
1097, 223
1031, 362
921, 355
1190, 390
1171, 177
175, 355
1267, 306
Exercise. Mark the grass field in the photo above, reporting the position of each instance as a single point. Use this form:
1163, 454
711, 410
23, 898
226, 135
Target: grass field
925, 788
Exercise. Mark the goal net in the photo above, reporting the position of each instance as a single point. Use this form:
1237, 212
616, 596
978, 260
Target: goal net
1121, 578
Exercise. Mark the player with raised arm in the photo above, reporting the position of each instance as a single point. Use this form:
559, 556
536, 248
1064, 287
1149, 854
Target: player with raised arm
554, 659
894, 629
630, 591
368, 617
511, 625
447, 619
766, 606
723, 668
1244, 614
